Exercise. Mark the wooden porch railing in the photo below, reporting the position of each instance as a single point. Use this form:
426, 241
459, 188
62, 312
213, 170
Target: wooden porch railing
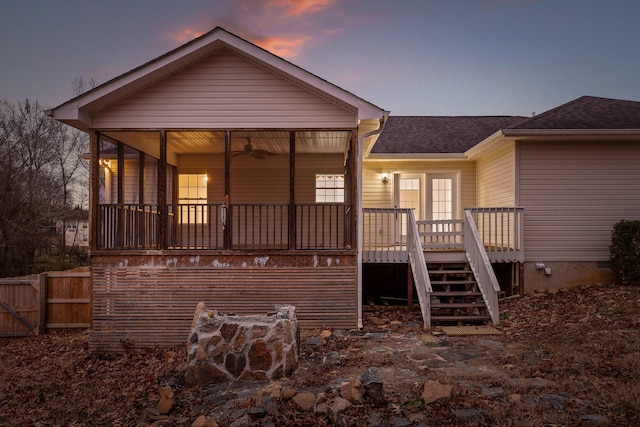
501, 231
441, 234
216, 227
419, 269
383, 240
481, 267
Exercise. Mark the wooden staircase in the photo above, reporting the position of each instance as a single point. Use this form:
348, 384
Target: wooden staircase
456, 298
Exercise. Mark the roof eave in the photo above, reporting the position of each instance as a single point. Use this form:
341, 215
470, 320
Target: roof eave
486, 145
415, 157
76, 113
569, 134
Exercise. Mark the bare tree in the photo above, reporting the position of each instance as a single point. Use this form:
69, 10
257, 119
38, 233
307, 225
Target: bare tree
31, 196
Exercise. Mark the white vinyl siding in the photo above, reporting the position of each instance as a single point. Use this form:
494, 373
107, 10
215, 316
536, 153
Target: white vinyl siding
376, 194
496, 178
573, 193
224, 91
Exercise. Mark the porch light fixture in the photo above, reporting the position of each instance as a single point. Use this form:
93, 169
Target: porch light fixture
384, 178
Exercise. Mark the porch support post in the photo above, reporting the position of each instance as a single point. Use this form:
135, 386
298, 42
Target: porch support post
355, 171
120, 150
120, 196
226, 227
409, 287
292, 191
356, 214
161, 237
141, 165
520, 267
94, 188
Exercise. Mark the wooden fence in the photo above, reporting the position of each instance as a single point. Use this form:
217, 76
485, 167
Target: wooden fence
31, 304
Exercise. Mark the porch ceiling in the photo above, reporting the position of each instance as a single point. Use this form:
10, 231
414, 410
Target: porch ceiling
211, 142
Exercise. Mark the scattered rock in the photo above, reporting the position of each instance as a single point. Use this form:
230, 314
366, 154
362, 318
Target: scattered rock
325, 336
373, 386
467, 414
305, 400
434, 390
401, 422
338, 406
204, 421
167, 400
353, 391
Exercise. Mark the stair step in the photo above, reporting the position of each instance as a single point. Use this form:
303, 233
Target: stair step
461, 318
453, 282
440, 272
456, 294
459, 305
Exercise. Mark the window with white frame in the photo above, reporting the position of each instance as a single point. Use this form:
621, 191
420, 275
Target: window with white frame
192, 194
329, 188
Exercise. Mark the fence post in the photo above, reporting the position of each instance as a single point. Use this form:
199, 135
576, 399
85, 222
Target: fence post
42, 312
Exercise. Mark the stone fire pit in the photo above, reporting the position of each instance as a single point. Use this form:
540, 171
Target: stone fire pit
250, 348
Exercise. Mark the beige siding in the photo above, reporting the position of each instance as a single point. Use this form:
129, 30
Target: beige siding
224, 91
262, 181
573, 194
496, 178
375, 194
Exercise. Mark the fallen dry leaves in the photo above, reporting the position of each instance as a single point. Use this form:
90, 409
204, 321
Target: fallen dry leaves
586, 340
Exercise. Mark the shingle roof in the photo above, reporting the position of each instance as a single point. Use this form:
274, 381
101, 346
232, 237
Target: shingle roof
457, 134
438, 134
587, 112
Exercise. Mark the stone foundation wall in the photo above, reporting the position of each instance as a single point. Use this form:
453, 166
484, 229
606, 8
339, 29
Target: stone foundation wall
251, 348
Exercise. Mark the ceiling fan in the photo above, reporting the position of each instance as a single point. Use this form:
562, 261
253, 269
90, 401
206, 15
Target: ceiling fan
250, 150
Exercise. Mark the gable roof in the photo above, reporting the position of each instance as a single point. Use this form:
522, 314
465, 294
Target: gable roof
438, 134
588, 113
77, 112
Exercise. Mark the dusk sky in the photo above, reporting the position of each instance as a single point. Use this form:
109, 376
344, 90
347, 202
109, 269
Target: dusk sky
421, 57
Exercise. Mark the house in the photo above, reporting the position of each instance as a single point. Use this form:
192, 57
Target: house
571, 173
222, 173
75, 228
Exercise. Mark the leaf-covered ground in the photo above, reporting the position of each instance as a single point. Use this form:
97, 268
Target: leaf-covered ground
584, 343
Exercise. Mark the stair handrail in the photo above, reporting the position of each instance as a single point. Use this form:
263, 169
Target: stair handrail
481, 267
419, 269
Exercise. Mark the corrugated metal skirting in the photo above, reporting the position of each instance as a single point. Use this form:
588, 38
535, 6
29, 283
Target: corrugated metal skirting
137, 307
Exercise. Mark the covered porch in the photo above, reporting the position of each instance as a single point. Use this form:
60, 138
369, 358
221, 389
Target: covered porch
221, 173
224, 190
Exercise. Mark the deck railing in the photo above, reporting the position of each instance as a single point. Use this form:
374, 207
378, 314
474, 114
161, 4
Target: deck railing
441, 234
136, 226
383, 238
481, 266
419, 269
238, 226
501, 231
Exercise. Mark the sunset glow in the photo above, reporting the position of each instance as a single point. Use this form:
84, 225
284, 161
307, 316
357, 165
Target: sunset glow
282, 46
301, 7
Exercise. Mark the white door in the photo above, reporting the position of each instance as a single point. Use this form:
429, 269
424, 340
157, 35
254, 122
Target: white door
442, 199
409, 194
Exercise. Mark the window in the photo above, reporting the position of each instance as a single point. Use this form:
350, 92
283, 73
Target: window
330, 188
192, 193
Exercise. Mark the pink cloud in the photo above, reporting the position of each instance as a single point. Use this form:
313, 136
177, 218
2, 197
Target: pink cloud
300, 7
333, 31
283, 46
185, 35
